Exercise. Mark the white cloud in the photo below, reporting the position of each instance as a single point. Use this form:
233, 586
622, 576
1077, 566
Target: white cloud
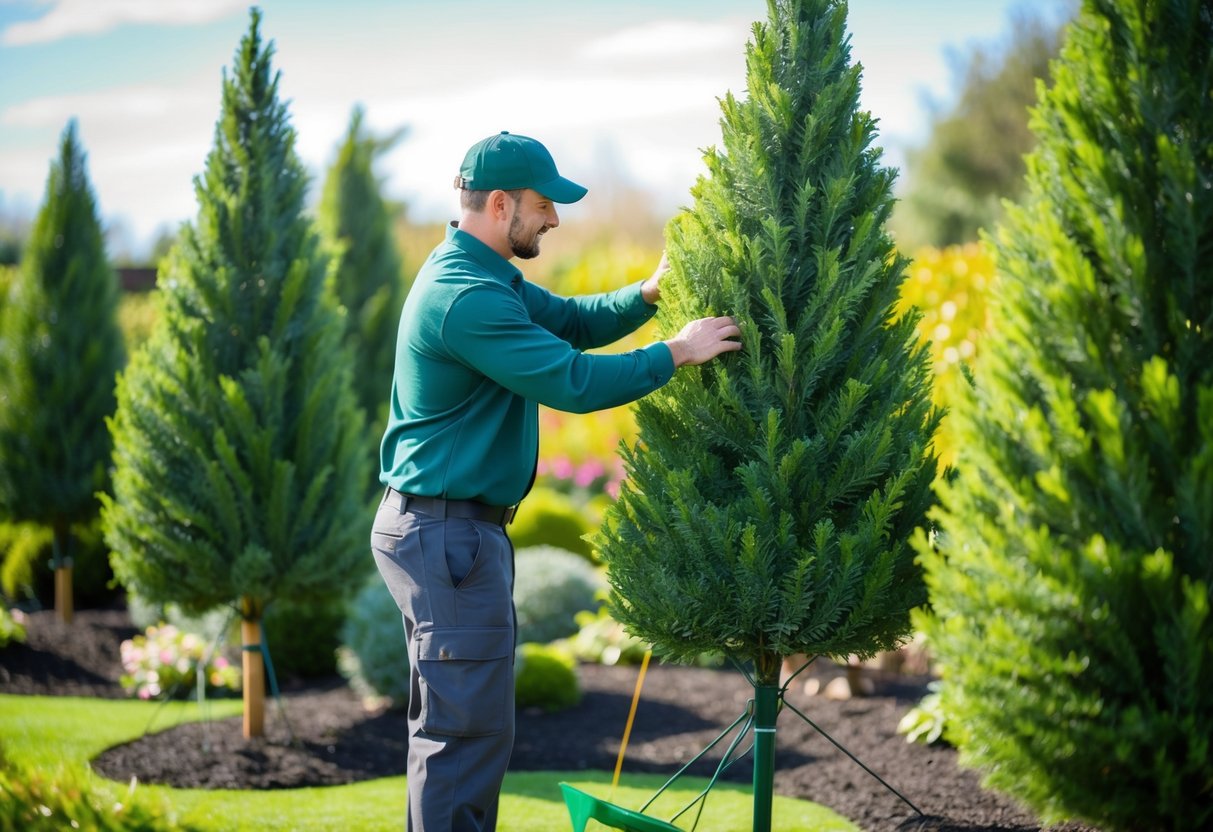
144, 145
129, 104
67, 18
664, 39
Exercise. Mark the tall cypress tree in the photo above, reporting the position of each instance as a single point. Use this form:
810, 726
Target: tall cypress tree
238, 474
1073, 574
356, 224
60, 350
771, 496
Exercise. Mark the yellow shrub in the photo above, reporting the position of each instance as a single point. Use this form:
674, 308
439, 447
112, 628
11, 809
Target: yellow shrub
951, 287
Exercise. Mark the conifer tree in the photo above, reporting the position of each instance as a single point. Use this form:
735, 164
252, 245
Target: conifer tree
60, 350
772, 493
356, 224
1072, 575
238, 469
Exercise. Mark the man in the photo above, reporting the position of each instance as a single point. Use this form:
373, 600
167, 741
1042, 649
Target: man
478, 349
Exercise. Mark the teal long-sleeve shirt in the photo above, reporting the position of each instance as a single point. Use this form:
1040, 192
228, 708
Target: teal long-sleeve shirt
479, 348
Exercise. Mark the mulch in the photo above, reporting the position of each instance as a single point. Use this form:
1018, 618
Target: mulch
322, 734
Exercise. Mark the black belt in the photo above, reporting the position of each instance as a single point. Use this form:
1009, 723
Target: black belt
442, 509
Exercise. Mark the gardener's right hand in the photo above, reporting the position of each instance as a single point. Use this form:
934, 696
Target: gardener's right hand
704, 339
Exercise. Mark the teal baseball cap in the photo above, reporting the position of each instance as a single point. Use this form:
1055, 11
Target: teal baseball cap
508, 162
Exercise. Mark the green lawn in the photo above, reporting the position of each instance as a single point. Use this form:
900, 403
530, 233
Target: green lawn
62, 733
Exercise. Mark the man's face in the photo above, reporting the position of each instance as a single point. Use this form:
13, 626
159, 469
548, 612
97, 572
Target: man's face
534, 214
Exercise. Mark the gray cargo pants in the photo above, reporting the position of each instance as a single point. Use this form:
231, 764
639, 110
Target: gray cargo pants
453, 581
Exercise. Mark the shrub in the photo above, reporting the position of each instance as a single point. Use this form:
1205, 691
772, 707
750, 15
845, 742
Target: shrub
549, 518
164, 664
546, 677
303, 636
551, 586
40, 801
372, 653
1071, 574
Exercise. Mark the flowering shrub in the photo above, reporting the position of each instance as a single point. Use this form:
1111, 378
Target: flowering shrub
164, 662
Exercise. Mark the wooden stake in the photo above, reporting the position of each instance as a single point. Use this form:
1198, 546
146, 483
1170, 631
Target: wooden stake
64, 605
254, 679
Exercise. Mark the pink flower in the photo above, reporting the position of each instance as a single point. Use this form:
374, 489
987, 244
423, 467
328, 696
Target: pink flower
562, 468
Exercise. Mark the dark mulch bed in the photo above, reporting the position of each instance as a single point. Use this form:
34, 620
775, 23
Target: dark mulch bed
337, 740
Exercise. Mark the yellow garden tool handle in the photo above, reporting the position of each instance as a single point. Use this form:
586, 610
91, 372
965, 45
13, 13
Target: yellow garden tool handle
627, 731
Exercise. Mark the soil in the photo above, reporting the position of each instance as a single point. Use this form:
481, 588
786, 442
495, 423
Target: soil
322, 734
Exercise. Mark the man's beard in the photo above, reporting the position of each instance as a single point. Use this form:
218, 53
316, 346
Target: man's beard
523, 249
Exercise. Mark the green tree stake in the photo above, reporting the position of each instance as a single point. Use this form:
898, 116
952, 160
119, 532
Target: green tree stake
1072, 575
356, 224
60, 350
239, 470
771, 496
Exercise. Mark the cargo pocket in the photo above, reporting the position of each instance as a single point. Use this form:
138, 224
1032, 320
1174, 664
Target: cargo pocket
466, 678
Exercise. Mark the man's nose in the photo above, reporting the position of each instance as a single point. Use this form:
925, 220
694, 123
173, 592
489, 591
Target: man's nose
553, 218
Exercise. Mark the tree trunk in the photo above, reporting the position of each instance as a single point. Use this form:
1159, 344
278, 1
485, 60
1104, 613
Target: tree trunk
253, 667
61, 561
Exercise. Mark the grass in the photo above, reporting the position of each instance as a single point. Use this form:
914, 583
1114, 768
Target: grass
63, 733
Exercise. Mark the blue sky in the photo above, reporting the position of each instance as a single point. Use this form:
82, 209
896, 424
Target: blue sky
619, 90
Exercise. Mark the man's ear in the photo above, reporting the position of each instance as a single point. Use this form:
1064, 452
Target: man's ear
496, 204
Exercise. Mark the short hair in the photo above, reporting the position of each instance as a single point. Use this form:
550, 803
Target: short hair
472, 200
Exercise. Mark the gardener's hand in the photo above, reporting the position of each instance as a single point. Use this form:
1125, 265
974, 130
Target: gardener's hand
702, 340
650, 290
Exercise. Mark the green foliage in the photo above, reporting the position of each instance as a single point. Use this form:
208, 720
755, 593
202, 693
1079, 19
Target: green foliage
772, 492
42, 801
60, 349
27, 553
356, 224
551, 586
549, 518
1072, 575
546, 677
973, 158
303, 635
137, 315
25, 547
239, 473
8, 275
373, 652
12, 628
